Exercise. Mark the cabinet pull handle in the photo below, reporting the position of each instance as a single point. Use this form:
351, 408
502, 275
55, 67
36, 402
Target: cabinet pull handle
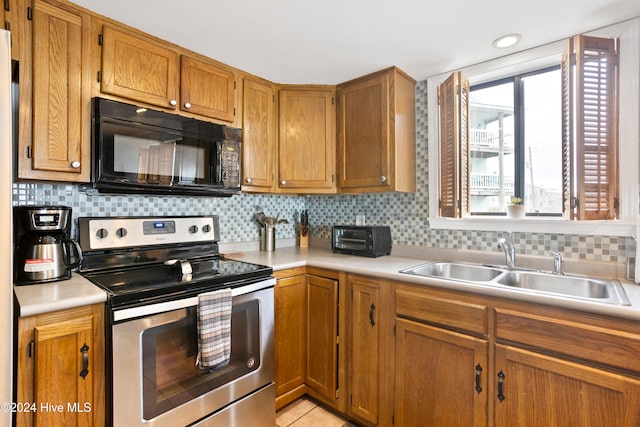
478, 373
187, 105
75, 164
383, 178
173, 102
85, 361
371, 310
501, 377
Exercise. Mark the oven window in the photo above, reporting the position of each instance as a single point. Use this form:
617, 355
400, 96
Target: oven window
349, 239
169, 372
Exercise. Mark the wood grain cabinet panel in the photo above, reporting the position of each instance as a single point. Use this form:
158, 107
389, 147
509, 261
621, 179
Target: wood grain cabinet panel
456, 314
370, 350
306, 141
60, 146
441, 377
538, 390
139, 69
377, 133
258, 137
290, 342
61, 364
145, 70
207, 89
322, 332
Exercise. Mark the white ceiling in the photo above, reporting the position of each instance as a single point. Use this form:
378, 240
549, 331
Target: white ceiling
332, 41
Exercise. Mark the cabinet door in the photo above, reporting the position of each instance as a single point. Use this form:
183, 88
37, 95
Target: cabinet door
290, 333
207, 89
61, 368
306, 150
441, 377
364, 156
322, 332
13, 19
139, 69
258, 141
61, 93
536, 390
368, 366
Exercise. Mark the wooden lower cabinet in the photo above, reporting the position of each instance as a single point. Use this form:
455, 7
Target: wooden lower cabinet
60, 360
322, 335
441, 377
369, 349
290, 344
537, 390
308, 357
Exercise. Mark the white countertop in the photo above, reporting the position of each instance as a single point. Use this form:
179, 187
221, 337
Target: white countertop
42, 298
388, 267
54, 296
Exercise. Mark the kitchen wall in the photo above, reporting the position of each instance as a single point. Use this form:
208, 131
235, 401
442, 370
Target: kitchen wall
406, 213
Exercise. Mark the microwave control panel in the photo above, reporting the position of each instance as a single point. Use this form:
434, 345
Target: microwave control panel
230, 163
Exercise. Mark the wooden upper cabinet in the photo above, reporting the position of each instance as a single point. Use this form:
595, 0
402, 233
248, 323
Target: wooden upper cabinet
306, 150
258, 135
59, 147
13, 19
207, 89
139, 69
377, 133
145, 70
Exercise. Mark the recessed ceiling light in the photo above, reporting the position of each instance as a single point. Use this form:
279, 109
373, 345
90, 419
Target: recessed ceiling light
506, 41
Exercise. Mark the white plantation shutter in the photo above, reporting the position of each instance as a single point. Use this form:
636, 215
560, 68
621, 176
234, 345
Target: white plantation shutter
453, 95
590, 139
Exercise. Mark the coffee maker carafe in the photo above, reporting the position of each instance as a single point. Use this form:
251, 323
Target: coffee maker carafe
43, 250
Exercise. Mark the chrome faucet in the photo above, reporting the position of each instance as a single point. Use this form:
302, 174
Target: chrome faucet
509, 251
557, 262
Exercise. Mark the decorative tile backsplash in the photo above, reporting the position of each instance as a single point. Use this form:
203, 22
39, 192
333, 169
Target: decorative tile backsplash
406, 213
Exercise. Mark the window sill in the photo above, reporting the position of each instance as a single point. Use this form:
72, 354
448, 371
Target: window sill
624, 227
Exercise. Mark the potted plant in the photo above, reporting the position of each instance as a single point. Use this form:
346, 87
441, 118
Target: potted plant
515, 208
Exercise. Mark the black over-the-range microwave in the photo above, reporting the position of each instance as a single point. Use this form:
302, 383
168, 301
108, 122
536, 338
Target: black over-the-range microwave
139, 150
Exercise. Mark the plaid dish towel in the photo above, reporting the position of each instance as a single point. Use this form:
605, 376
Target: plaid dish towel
214, 329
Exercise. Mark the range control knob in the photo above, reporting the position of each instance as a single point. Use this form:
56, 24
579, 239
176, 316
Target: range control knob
193, 229
121, 232
206, 228
102, 233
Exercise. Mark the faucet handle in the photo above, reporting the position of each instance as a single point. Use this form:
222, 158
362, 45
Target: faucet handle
557, 262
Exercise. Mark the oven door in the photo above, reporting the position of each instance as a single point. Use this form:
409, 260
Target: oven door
156, 381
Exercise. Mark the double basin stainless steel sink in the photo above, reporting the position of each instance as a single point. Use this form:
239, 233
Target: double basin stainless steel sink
573, 287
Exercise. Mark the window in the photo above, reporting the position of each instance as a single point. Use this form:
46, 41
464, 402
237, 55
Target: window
547, 136
515, 146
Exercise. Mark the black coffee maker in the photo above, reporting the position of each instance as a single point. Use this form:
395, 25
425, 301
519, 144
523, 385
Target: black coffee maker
43, 251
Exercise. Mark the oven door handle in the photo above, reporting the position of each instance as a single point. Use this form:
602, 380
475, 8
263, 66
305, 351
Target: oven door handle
162, 307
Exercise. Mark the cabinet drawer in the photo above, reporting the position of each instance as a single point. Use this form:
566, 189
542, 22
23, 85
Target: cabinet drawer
607, 344
452, 314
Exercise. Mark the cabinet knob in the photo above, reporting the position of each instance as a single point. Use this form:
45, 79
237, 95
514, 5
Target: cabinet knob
383, 178
187, 105
75, 164
283, 182
173, 102
249, 180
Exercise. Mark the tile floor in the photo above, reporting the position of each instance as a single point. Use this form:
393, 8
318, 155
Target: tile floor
307, 413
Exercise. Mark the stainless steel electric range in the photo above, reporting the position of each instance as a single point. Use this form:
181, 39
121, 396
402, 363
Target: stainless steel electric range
153, 269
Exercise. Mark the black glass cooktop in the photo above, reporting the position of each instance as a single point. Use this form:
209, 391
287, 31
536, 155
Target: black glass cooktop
146, 284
